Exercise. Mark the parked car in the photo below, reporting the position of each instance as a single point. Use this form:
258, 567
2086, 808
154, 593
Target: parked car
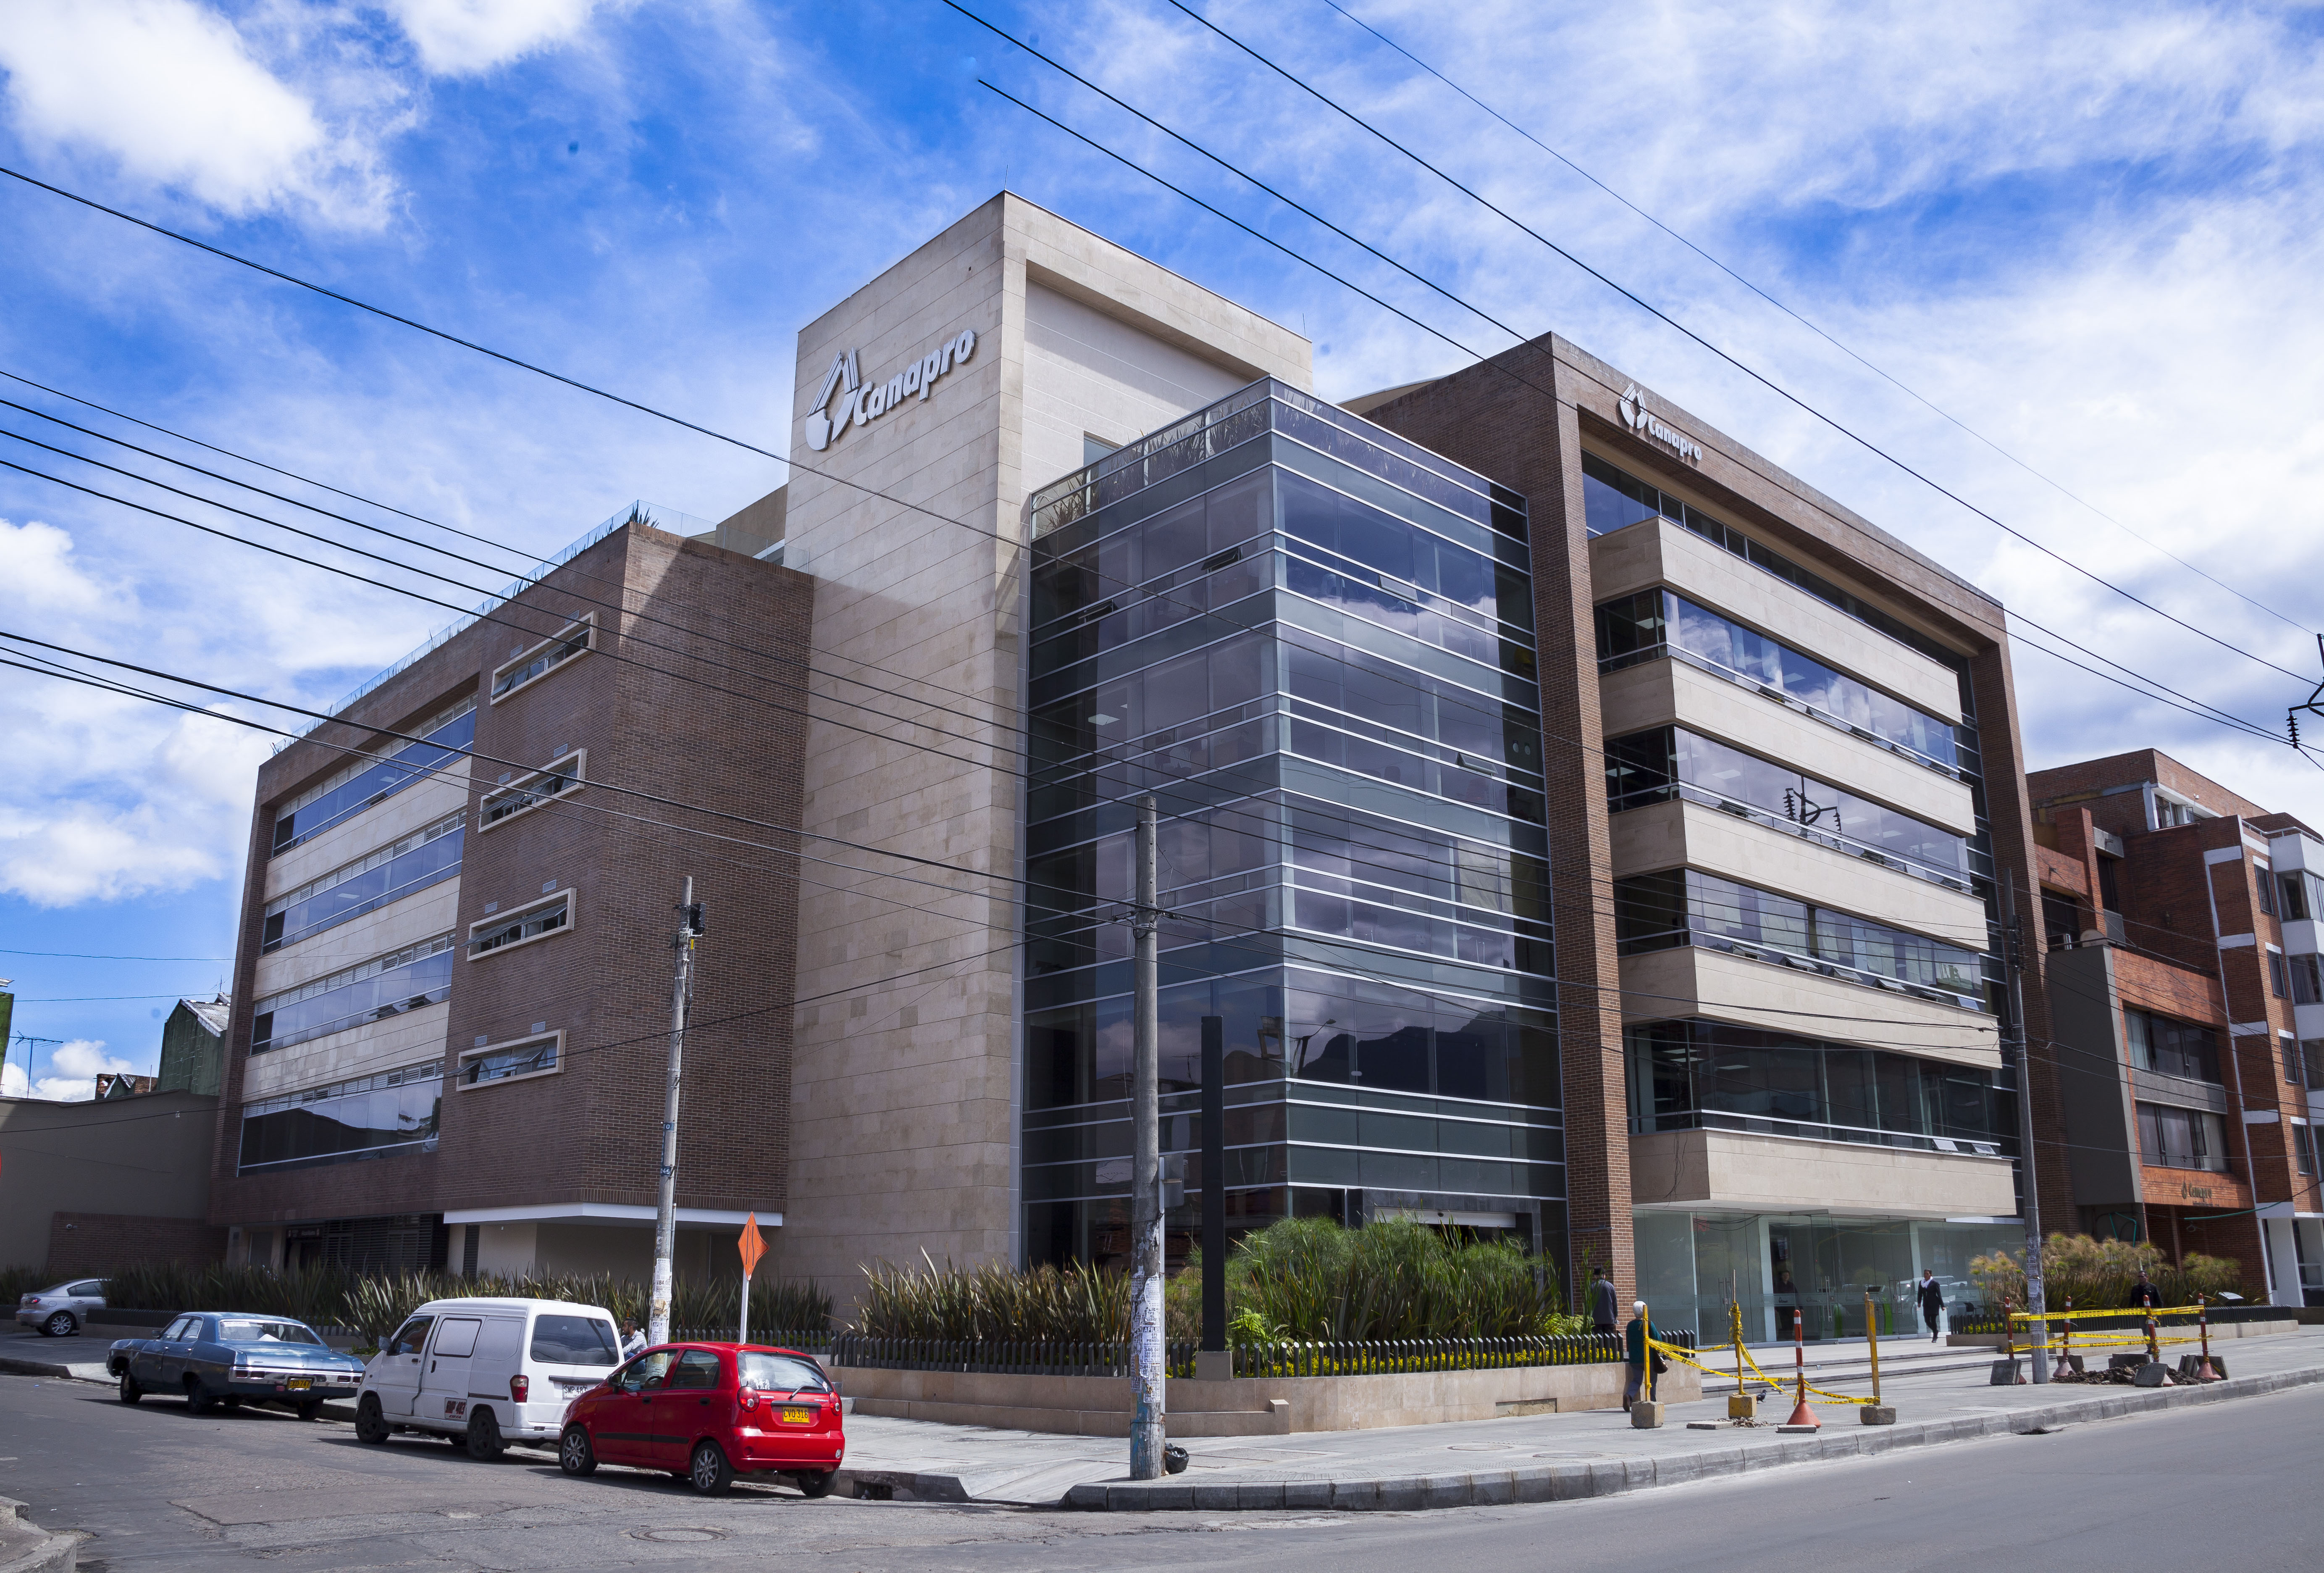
707, 1412
488, 1372
223, 1357
63, 1310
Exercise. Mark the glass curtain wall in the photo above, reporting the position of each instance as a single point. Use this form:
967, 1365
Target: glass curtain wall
1313, 643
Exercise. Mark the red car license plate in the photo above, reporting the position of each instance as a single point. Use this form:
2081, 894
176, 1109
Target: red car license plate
798, 1417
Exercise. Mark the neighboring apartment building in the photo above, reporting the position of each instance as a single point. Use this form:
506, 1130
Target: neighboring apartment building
1580, 829
2188, 1000
452, 992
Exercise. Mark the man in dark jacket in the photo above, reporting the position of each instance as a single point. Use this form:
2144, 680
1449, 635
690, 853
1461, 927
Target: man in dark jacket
1635, 1369
2143, 1294
1601, 1303
1932, 1301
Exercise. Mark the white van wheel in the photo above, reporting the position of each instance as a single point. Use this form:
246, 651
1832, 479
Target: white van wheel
483, 1434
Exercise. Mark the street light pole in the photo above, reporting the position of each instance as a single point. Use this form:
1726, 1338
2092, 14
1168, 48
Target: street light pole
690, 929
1146, 1423
2013, 955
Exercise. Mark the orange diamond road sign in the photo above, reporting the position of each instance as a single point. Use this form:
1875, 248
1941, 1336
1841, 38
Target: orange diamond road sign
752, 1246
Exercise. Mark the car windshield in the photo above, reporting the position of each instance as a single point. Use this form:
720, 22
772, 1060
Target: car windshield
251, 1330
780, 1372
575, 1341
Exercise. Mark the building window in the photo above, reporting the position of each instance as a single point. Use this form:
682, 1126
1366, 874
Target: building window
2303, 1145
522, 927
1652, 767
370, 1116
2062, 921
375, 777
2311, 1064
1655, 624
372, 991
406, 868
1613, 499
2300, 894
2169, 1048
574, 639
2170, 1137
1095, 447
1702, 1075
1657, 911
2110, 882
2278, 974
2265, 883
553, 780
510, 1061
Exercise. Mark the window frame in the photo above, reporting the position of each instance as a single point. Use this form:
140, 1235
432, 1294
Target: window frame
586, 624
568, 895
555, 1041
577, 757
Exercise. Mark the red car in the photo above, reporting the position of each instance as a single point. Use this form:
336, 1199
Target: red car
707, 1412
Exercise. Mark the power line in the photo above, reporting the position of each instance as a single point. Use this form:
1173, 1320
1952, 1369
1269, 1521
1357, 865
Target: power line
55, 671
84, 956
2059, 486
1748, 371
1495, 365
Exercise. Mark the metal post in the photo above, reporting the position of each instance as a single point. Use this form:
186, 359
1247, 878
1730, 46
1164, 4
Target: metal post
1646, 1327
1872, 1338
689, 927
1145, 1421
1214, 1183
2013, 951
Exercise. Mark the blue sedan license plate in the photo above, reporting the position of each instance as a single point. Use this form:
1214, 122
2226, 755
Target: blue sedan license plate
299, 1383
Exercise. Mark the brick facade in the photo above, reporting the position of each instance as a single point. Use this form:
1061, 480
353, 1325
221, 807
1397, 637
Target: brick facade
90, 1243
688, 699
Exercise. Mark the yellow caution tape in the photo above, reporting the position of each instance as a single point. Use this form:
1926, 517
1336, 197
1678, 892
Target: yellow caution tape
2084, 1316
1777, 1382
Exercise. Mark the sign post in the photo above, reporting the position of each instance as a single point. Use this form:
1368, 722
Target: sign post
752, 1246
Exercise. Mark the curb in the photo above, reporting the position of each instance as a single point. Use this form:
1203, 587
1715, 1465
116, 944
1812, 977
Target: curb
15, 1365
54, 1553
1615, 1476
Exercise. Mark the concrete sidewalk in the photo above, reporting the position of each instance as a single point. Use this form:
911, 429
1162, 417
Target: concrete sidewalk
1534, 1459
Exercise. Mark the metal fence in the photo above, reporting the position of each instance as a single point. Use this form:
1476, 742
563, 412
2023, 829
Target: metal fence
1351, 1358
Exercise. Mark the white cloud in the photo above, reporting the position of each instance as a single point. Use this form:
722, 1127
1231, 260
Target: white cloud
73, 1070
465, 37
175, 94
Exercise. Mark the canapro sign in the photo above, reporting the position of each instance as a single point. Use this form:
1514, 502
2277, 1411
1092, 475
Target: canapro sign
1640, 420
862, 402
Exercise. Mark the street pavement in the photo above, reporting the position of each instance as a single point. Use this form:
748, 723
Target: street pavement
2225, 1484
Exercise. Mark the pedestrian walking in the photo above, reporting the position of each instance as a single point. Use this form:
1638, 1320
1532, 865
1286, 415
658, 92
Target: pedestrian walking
1932, 1301
1635, 1368
2143, 1294
1601, 1303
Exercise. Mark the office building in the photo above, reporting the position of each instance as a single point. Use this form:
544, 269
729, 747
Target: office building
1580, 829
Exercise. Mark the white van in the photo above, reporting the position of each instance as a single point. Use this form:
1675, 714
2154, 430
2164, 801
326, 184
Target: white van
491, 1371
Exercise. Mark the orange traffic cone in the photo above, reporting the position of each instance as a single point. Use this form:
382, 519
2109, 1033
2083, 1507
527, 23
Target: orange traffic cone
1803, 1415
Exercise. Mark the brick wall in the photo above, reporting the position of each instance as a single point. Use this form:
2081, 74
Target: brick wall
688, 694
90, 1243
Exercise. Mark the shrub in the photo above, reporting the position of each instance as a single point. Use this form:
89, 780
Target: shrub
2100, 1274
1073, 1304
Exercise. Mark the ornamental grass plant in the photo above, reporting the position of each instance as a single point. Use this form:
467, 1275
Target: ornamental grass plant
1299, 1278
2100, 1274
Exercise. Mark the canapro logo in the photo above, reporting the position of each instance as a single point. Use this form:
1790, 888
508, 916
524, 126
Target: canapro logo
862, 402
1640, 420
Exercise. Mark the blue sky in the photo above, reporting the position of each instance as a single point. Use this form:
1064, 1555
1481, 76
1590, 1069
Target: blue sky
2089, 232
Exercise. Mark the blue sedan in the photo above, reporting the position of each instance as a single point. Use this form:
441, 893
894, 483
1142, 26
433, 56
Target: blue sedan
223, 1358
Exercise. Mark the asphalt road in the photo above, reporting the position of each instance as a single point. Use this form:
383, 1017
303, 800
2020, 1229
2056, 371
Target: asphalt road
2230, 1484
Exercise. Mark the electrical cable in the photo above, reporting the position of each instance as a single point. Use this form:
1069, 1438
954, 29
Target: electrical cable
1763, 379
1494, 363
55, 669
2057, 487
